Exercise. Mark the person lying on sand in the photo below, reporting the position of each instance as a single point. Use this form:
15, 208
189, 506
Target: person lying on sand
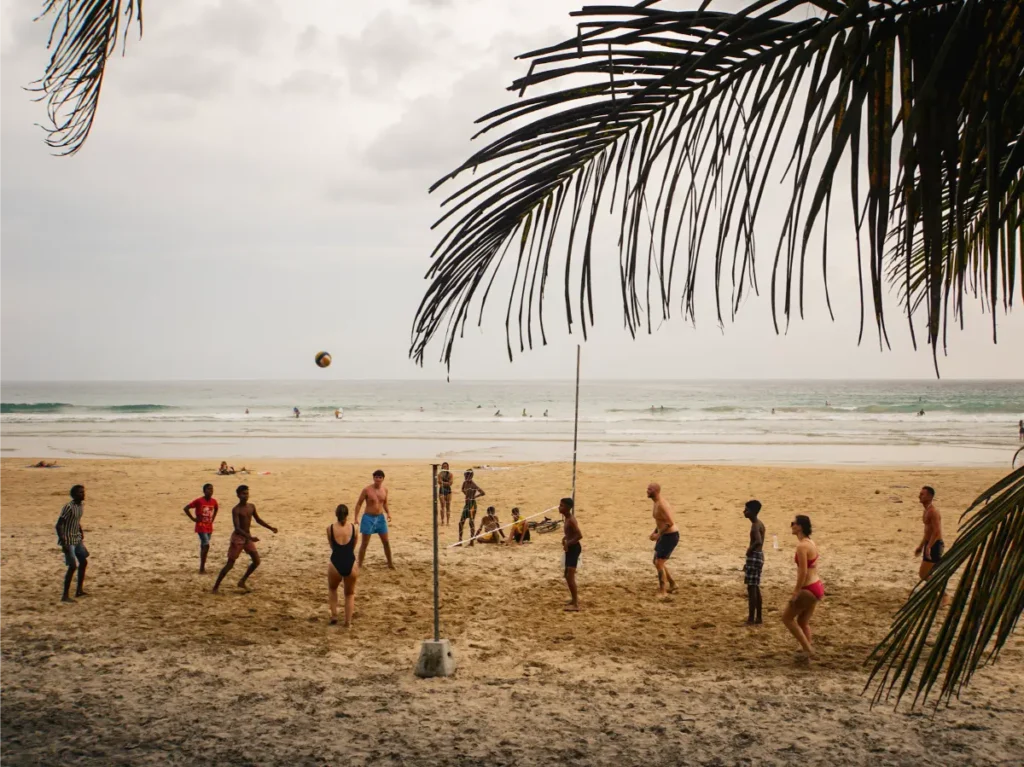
571, 547
489, 528
241, 540
44, 465
666, 537
520, 529
225, 469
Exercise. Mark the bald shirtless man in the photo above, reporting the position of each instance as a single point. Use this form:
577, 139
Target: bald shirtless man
375, 520
666, 535
241, 539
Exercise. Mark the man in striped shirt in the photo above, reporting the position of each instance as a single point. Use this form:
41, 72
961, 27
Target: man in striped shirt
70, 538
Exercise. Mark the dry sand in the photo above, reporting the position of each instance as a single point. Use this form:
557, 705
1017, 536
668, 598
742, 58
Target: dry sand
153, 669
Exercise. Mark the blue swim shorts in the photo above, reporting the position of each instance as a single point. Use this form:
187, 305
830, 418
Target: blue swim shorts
373, 525
77, 552
204, 539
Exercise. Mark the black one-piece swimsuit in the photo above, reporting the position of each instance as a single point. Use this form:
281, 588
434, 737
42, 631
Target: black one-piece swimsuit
343, 556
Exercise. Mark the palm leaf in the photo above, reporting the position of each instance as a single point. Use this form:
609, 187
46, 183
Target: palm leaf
84, 35
674, 120
988, 601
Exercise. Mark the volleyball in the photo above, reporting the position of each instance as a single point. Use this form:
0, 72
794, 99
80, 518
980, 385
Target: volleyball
323, 359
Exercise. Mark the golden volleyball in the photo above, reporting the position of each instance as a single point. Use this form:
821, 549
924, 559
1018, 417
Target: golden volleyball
323, 359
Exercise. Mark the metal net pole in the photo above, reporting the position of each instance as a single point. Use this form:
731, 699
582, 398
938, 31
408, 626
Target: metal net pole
437, 603
576, 426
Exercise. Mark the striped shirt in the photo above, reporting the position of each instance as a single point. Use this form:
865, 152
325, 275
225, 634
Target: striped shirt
69, 524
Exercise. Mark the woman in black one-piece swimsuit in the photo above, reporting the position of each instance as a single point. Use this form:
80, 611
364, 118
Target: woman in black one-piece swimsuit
343, 567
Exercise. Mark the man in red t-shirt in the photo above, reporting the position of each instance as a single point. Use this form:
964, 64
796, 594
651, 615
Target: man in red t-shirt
205, 509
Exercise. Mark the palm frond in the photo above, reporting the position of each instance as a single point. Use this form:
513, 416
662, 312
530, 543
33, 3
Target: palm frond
674, 120
84, 35
987, 603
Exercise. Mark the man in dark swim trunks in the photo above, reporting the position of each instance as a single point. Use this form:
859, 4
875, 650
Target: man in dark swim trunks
444, 494
755, 562
666, 535
472, 491
931, 547
242, 516
571, 547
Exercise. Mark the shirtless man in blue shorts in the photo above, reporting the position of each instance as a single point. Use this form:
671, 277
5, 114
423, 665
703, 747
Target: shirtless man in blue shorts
375, 520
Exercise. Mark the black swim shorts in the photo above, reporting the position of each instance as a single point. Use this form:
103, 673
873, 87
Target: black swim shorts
666, 545
934, 554
572, 555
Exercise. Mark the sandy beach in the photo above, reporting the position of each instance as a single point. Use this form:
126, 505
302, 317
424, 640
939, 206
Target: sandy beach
152, 668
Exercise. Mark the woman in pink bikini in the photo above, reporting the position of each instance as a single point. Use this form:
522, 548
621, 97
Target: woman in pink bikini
809, 588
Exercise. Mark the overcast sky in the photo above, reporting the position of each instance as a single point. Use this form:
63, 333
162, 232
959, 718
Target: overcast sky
255, 189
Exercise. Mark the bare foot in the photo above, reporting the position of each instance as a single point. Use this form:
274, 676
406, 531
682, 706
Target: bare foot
334, 621
672, 589
202, 571
81, 594
241, 584
390, 566
571, 608
348, 624
66, 599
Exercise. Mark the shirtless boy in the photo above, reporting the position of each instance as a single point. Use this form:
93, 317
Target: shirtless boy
241, 539
490, 528
444, 494
755, 562
571, 547
472, 491
666, 535
375, 520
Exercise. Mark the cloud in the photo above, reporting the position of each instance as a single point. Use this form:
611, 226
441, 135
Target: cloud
192, 78
308, 40
388, 48
309, 82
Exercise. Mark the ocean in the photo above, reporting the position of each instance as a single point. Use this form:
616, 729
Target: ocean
965, 423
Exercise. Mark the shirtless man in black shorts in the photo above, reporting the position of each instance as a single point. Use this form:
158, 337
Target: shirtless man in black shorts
666, 535
242, 516
472, 491
932, 546
571, 547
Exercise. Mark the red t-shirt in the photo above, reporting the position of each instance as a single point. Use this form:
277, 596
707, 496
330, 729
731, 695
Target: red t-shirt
204, 513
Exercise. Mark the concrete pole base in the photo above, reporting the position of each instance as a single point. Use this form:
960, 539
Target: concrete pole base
436, 659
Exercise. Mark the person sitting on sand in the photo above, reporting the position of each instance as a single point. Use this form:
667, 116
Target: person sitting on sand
241, 539
472, 491
71, 539
666, 537
444, 494
755, 562
572, 548
342, 569
809, 589
225, 469
490, 528
520, 529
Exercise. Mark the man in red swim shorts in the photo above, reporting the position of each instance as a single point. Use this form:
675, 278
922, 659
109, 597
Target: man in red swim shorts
242, 516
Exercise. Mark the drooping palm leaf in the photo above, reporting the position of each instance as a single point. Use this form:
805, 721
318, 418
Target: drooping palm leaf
988, 601
84, 35
674, 120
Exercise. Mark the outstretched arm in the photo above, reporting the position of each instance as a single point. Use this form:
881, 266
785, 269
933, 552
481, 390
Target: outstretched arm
256, 516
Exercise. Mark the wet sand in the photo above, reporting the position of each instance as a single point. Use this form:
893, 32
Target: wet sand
152, 668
